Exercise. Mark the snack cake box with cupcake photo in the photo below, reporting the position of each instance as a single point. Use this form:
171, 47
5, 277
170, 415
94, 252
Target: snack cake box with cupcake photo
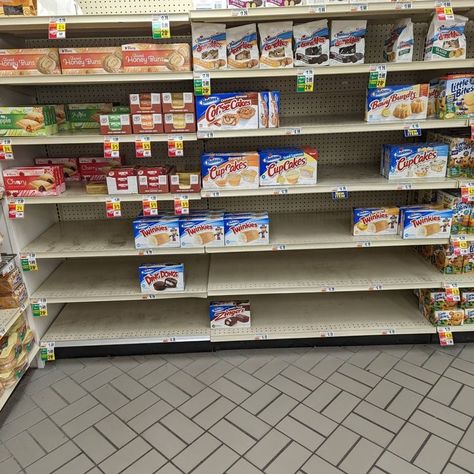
394, 103
456, 96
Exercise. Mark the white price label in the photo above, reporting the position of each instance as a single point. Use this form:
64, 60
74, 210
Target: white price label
327, 334
213, 194
205, 135
364, 244
261, 337
404, 187
113, 208
160, 26
279, 247
6, 149
293, 131
175, 146
317, 9
359, 6
16, 208
148, 297
376, 288
111, 147
403, 6
281, 191
240, 12
57, 28
143, 147
47, 351
388, 332
150, 206
202, 83
328, 289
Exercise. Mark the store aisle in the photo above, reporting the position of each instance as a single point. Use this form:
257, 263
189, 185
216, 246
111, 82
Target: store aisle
393, 409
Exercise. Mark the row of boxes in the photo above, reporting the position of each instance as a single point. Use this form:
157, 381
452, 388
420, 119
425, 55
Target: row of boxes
202, 229
448, 259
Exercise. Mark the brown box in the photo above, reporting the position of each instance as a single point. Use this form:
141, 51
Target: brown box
141, 58
115, 124
177, 102
96, 169
105, 60
145, 103
179, 123
147, 123
122, 181
153, 179
185, 182
29, 62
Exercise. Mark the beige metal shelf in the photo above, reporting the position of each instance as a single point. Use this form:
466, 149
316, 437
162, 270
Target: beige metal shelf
90, 280
334, 315
8, 318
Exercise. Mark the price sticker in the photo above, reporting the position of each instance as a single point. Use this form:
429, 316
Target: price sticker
293, 131
359, 6
444, 11
111, 147
340, 192
445, 336
460, 245
160, 26
317, 9
364, 244
205, 135
240, 12
452, 293
404, 187
16, 209
403, 6
412, 130
145, 252
150, 206
142, 147
28, 262
148, 297
181, 205
281, 191
6, 149
212, 194
57, 28
327, 334
47, 351
39, 307
113, 208
202, 83
175, 146
305, 80
467, 192
377, 76
279, 247
328, 289
376, 288
261, 337
388, 332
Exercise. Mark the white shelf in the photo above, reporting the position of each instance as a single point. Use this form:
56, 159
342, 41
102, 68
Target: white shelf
97, 324
324, 271
8, 318
91, 280
320, 125
76, 193
334, 315
8, 392
330, 178
102, 238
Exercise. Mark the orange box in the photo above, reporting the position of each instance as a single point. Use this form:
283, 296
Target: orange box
91, 60
29, 62
140, 58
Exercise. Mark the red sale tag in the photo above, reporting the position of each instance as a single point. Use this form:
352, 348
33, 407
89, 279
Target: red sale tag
452, 293
467, 192
181, 205
16, 209
57, 28
6, 150
445, 13
150, 206
460, 245
445, 336
113, 208
143, 147
111, 147
175, 146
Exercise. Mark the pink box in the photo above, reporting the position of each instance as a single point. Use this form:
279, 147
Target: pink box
96, 169
70, 167
30, 181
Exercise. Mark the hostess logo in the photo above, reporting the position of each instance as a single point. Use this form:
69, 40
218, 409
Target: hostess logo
209, 42
378, 93
214, 161
247, 42
211, 100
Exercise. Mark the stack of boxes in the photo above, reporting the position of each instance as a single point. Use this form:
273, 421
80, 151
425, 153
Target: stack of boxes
13, 292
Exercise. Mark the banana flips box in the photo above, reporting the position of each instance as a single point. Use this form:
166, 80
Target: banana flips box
250, 228
156, 232
375, 221
159, 277
422, 223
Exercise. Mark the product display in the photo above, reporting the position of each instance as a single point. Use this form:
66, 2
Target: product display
87, 116
115, 124
177, 102
276, 44
311, 43
456, 96
70, 167
398, 47
461, 221
202, 229
155, 278
179, 123
28, 121
347, 42
153, 179
30, 181
209, 46
29, 62
446, 39
18, 7
122, 181
96, 169
12, 288
246, 228
375, 221
245, 3
142, 58
147, 123
185, 182
269, 109
230, 314
420, 222
242, 49
104, 60
156, 232
433, 99
145, 103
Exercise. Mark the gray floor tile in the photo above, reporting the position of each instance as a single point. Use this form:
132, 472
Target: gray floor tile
326, 367
464, 401
313, 420
364, 357
110, 397
439, 411
79, 465
55, 459
341, 406
418, 355
185, 382
378, 416
137, 406
143, 369
158, 375
199, 402
172, 394
417, 372
230, 390
267, 448
336, 447
317, 465
437, 427
18, 404
322, 396
214, 412
369, 430
48, 400
359, 374
460, 376
74, 410
307, 361
361, 458
101, 379
300, 433
243, 466
48, 435
350, 385
147, 464
382, 364
445, 390
95, 445
232, 436
394, 465
383, 393
217, 462
200, 364
125, 456
182, 426
260, 399
85, 420
467, 441
291, 388
453, 469
277, 409
438, 362
10, 466
150, 416
164, 440
125, 363
289, 460
463, 458
270, 370
303, 378
25, 449
169, 469
115, 430
409, 382
69, 390
405, 403
244, 380
215, 372
128, 386
408, 441
23, 422
434, 455
196, 452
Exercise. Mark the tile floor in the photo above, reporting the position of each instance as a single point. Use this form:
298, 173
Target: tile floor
391, 409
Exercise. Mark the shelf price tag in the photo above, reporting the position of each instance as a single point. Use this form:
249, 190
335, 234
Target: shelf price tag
175, 146
445, 336
452, 293
240, 12
305, 80
160, 26
16, 209
376, 288
280, 191
181, 205
328, 289
28, 262
340, 192
467, 192
359, 6
388, 332
113, 208
202, 83
460, 244
444, 10
327, 334
377, 76
143, 147
279, 247
47, 351
293, 131
403, 6
150, 206
205, 135
57, 28
261, 337
39, 307
6, 149
111, 147
316, 6
364, 244
412, 130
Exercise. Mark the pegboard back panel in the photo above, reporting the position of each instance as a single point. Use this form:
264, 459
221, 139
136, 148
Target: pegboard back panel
116, 7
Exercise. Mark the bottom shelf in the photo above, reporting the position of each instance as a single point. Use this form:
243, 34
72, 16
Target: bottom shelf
273, 317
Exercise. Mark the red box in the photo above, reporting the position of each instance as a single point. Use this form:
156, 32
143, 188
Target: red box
154, 179
30, 181
145, 103
70, 167
177, 102
179, 123
96, 169
147, 123
122, 181
185, 182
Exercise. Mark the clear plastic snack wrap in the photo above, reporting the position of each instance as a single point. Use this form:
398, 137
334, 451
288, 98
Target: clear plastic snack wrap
242, 48
347, 42
398, 47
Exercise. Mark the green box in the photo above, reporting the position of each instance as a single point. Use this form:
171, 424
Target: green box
28, 121
87, 116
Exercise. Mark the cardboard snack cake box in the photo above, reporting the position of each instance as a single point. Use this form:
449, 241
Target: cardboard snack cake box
456, 96
251, 228
230, 314
202, 230
156, 278
177, 102
140, 58
153, 179
115, 124
30, 181
147, 123
70, 166
156, 232
29, 62
375, 221
145, 103
96, 169
422, 223
28, 121
82, 61
87, 116
122, 181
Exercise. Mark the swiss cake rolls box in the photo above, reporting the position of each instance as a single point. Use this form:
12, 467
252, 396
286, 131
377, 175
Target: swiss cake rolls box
177, 102
115, 124
230, 314
30, 181
288, 166
70, 166
145, 103
81, 61
96, 169
29, 62
227, 111
158, 277
246, 228
417, 160
142, 58
375, 221
122, 181
456, 96
153, 179
147, 123
156, 232
87, 116
230, 170
393, 103
28, 121
425, 222
179, 123
204, 229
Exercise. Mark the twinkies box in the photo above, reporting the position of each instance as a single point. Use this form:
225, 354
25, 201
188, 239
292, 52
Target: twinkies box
288, 166
156, 232
28, 121
155, 278
230, 170
250, 228
394, 103
417, 160
425, 223
70, 166
230, 314
82, 61
29, 62
375, 221
31, 181
202, 230
227, 111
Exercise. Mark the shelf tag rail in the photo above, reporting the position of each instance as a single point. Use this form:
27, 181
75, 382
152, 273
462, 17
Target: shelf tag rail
6, 149
143, 147
16, 209
57, 28
160, 26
